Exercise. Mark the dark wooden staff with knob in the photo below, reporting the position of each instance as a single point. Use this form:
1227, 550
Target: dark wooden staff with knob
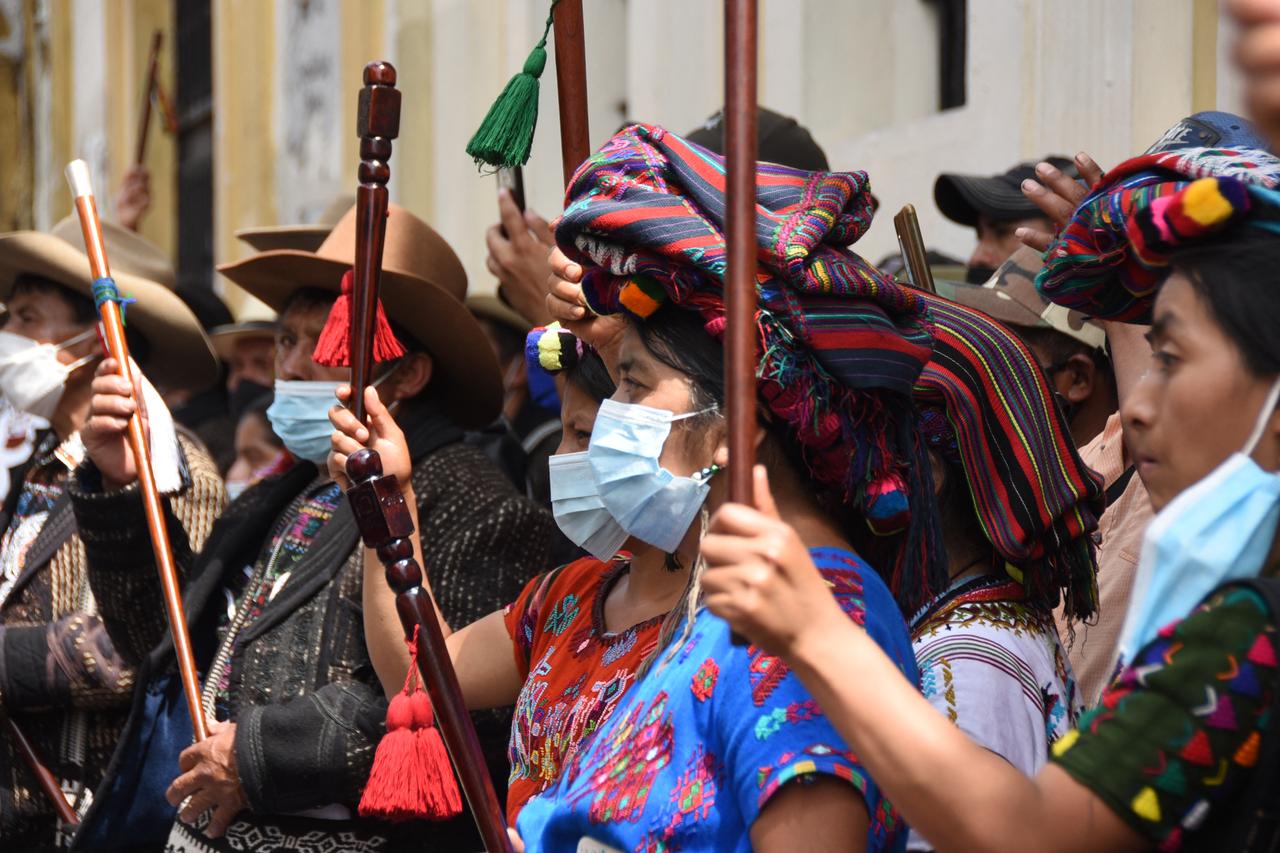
379, 507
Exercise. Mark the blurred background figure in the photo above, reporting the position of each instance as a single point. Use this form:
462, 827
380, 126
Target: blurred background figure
995, 208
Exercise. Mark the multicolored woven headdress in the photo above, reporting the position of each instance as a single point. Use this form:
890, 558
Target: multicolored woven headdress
988, 408
840, 344
1104, 265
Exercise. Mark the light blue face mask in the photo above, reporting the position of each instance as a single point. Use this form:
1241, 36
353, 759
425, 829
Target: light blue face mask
299, 414
1221, 529
647, 500
578, 510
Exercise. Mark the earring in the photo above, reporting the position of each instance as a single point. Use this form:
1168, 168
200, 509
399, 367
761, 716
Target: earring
708, 472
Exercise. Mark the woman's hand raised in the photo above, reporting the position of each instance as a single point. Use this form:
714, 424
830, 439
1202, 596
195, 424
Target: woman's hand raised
761, 579
1057, 195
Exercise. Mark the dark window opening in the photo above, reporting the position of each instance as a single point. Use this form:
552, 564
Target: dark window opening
194, 105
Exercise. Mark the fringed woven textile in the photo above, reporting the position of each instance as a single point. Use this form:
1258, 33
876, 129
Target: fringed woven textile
988, 408
1101, 264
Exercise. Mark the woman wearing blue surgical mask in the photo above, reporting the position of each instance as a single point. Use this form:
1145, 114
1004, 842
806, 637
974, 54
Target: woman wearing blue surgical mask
1182, 752
718, 746
571, 644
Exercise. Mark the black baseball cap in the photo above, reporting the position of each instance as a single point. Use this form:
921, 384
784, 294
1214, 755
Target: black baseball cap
779, 139
961, 198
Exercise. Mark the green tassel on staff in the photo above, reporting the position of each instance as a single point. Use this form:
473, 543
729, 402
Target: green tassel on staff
505, 137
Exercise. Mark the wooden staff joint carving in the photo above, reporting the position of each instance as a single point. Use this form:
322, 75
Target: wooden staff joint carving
381, 513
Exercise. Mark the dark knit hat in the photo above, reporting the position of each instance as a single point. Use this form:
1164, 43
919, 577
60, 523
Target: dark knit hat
779, 139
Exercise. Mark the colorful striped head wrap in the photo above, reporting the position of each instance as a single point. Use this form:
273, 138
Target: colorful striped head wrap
988, 409
840, 344
1103, 264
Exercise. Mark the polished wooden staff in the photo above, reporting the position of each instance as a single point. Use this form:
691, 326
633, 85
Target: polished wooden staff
740, 222
44, 776
379, 507
571, 86
108, 300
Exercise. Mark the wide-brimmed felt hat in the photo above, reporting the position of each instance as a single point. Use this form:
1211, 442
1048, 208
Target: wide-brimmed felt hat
424, 290
306, 238
179, 355
493, 309
224, 338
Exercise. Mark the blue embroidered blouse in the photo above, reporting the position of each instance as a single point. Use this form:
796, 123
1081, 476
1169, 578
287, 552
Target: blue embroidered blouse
698, 747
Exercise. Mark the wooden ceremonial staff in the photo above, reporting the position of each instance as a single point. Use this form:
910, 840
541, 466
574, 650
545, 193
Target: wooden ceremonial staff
380, 510
44, 776
148, 93
571, 86
740, 221
113, 331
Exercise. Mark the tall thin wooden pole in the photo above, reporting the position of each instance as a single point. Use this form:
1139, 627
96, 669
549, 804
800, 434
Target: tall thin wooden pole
118, 349
740, 272
571, 86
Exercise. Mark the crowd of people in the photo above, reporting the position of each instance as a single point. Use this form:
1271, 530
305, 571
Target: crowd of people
1006, 581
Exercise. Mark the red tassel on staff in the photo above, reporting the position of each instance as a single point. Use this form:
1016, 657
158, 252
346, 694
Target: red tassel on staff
333, 347
411, 777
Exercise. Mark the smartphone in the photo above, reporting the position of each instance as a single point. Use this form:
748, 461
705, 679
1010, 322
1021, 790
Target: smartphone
513, 180
911, 244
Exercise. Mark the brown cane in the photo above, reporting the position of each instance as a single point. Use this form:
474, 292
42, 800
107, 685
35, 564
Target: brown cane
48, 782
118, 349
740, 215
379, 507
144, 121
571, 86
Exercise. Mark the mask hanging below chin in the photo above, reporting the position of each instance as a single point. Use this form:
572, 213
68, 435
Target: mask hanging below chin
1220, 529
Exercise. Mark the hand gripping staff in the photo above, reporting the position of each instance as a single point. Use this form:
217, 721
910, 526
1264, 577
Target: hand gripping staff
108, 300
376, 500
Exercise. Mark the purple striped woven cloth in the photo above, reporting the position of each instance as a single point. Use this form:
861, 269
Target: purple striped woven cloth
840, 344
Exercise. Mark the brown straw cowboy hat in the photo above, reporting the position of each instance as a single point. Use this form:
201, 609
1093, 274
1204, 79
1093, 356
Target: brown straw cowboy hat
424, 289
179, 354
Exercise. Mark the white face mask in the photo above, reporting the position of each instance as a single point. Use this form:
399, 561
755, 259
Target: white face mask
32, 378
1218, 530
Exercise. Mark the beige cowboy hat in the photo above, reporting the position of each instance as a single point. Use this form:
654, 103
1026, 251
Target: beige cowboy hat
306, 238
424, 289
179, 354
493, 309
224, 338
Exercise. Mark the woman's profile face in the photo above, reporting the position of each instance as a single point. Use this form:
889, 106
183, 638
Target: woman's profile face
644, 380
577, 417
1196, 404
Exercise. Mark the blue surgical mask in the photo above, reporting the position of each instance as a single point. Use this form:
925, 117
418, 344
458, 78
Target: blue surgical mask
576, 505
1221, 529
299, 414
648, 501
